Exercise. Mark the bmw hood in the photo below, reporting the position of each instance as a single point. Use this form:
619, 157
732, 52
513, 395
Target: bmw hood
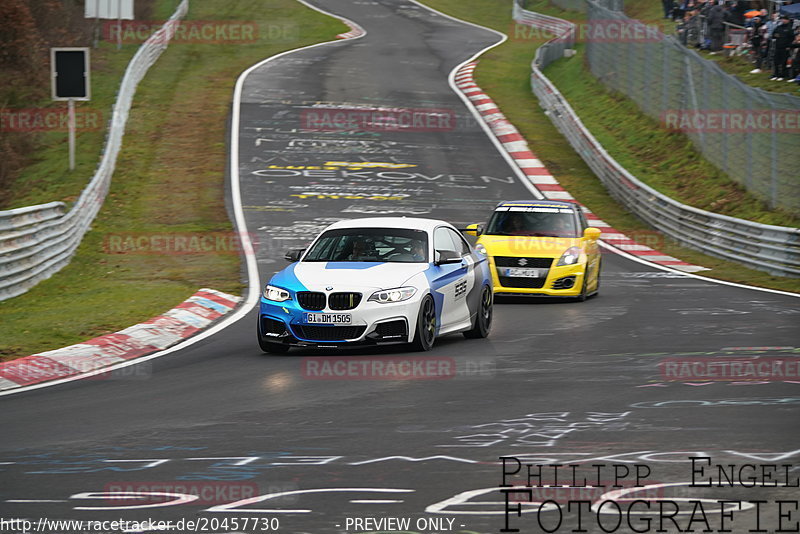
346, 276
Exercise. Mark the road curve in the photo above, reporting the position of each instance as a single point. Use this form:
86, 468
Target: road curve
576, 383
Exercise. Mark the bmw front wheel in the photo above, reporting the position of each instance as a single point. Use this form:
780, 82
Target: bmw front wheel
426, 325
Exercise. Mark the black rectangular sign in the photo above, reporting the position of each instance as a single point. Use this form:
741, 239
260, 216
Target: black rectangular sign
70, 72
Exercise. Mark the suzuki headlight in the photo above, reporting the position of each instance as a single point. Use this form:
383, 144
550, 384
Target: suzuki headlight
570, 257
397, 294
276, 294
480, 249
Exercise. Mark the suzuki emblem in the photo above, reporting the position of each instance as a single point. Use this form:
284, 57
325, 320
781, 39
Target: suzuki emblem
523, 261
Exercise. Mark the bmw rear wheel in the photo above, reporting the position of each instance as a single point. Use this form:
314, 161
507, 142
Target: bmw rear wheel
426, 325
483, 318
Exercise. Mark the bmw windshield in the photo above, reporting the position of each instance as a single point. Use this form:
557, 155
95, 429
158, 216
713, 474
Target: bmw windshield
546, 222
393, 245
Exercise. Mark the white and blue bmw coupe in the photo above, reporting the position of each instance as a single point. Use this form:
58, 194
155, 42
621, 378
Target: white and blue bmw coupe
378, 281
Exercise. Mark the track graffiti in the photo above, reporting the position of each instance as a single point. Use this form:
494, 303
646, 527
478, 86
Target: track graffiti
545, 429
741, 401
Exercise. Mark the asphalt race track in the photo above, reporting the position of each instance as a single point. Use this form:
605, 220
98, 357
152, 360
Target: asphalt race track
556, 382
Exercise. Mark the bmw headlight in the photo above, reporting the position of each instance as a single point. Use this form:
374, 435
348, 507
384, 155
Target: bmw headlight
277, 294
397, 294
480, 249
570, 256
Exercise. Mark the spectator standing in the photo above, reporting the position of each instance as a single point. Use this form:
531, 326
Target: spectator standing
736, 13
772, 24
758, 43
768, 44
716, 26
794, 72
689, 30
782, 38
667, 5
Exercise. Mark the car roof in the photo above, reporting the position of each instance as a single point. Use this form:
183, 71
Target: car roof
414, 223
537, 203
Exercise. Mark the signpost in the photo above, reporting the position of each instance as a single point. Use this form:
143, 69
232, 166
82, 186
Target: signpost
110, 9
69, 73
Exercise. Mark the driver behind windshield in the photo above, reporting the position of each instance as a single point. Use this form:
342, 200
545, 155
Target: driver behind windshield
360, 250
514, 224
560, 226
418, 251
536, 224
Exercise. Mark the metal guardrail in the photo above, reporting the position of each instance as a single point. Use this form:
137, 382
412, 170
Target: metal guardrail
563, 32
774, 249
580, 5
37, 241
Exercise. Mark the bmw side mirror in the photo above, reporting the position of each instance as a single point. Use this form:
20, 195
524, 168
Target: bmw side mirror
294, 254
447, 256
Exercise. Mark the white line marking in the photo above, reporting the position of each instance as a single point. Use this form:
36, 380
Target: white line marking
243, 460
35, 500
654, 257
375, 501
152, 462
691, 275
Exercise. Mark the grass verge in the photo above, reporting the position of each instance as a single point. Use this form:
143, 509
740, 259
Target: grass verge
504, 73
48, 177
169, 182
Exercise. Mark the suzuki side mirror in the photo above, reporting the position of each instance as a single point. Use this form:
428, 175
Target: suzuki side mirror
592, 233
473, 229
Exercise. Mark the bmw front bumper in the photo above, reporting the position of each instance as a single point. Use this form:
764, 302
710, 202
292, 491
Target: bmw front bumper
371, 323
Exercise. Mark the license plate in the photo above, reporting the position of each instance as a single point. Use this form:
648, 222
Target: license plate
337, 319
523, 273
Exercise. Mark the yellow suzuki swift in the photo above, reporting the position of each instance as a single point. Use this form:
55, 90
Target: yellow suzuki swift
540, 247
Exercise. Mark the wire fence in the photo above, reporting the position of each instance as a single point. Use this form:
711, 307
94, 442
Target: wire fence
774, 249
750, 134
38, 241
695, 32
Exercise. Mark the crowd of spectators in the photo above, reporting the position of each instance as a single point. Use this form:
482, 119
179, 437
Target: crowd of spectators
772, 42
